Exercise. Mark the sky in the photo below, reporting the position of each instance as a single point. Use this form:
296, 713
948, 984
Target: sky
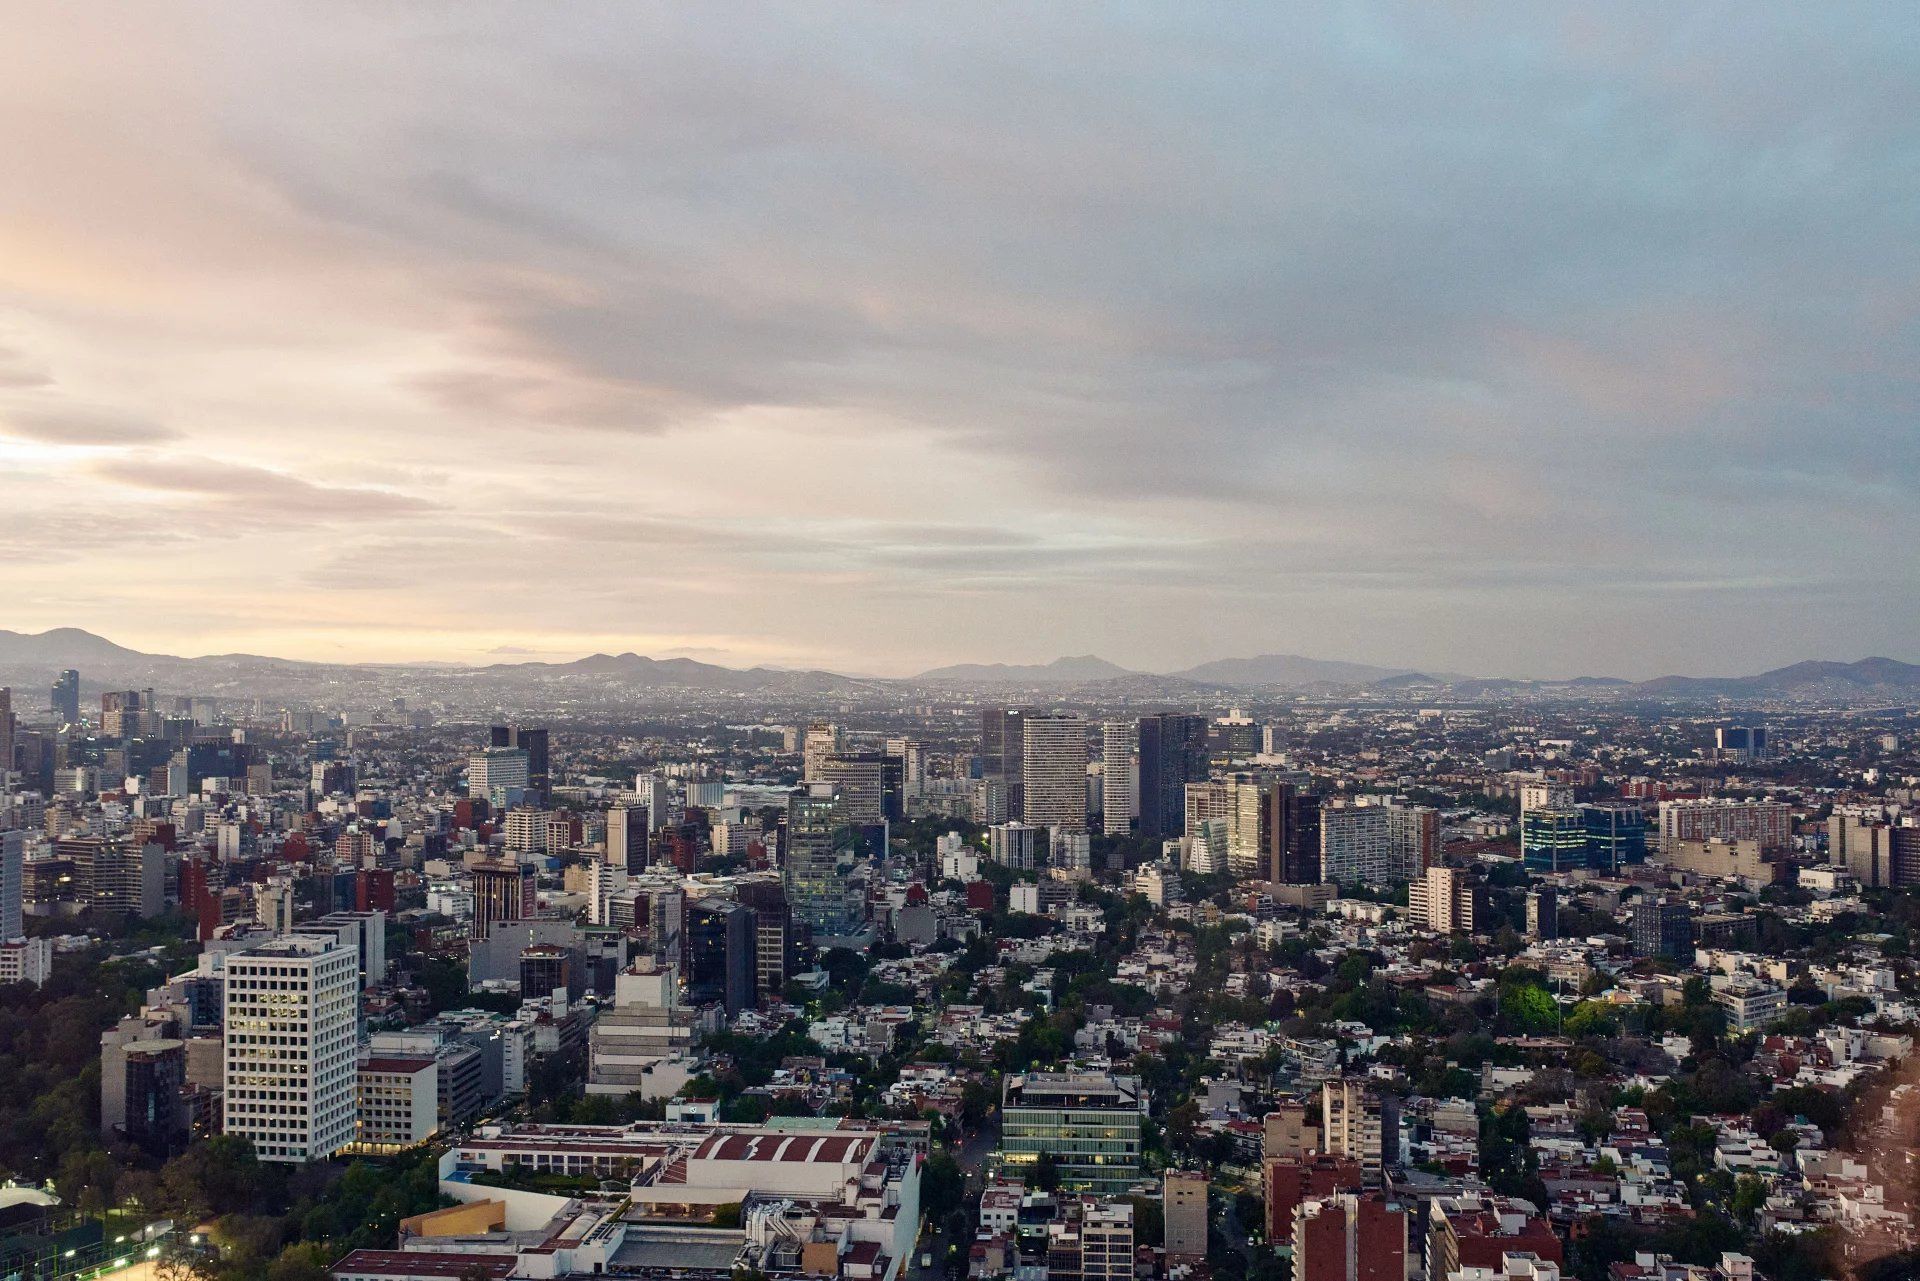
1519, 340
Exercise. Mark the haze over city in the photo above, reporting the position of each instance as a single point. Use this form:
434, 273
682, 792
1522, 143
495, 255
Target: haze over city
1500, 340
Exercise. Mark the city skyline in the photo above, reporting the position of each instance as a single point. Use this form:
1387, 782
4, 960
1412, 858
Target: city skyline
1508, 343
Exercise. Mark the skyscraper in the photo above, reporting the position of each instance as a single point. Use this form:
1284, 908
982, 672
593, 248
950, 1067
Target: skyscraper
1173, 753
13, 852
532, 741
66, 698
292, 1026
1054, 771
1002, 750
1356, 845
627, 831
859, 779
1553, 840
500, 775
1119, 776
502, 891
1293, 835
8, 726
820, 853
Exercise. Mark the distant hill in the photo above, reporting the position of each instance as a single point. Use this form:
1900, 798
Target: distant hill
682, 673
1810, 679
29, 661
1061, 671
1289, 670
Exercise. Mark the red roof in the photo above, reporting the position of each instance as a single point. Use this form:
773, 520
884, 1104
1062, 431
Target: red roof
824, 1148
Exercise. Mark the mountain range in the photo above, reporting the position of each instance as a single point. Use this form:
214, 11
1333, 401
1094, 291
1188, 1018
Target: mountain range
30, 660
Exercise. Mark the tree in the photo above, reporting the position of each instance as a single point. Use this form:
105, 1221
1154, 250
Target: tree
1045, 1174
942, 1185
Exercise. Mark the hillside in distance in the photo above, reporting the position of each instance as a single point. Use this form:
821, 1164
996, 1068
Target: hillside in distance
29, 662
1061, 671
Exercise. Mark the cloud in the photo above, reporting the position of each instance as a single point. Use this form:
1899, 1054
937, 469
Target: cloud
1312, 327
255, 491
66, 425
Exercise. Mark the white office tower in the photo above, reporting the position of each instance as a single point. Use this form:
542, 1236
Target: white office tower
499, 775
652, 791
605, 882
1119, 776
633, 1046
1070, 851
273, 904
13, 871
1054, 771
1207, 846
822, 740
292, 1029
1538, 794
1015, 845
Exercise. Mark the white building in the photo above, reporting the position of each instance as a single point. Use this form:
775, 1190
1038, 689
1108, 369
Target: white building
499, 775
1119, 776
292, 1029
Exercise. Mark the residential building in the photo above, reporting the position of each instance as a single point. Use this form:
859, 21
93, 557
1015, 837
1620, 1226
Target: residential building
1350, 1237
1119, 776
1183, 1203
1356, 845
1053, 771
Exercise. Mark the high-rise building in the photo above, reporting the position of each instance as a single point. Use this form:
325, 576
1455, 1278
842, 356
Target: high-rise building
1553, 840
1292, 835
1879, 852
502, 891
1616, 836
1088, 1122
775, 943
9, 727
859, 779
13, 853
653, 792
821, 850
1769, 822
1740, 742
628, 829
720, 954
66, 698
532, 741
1173, 753
1446, 900
1662, 929
647, 1023
822, 740
1543, 914
1016, 845
1356, 845
500, 775
1002, 744
291, 1033
1414, 831
1053, 770
1350, 1237
1183, 1203
1359, 1124
1119, 776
